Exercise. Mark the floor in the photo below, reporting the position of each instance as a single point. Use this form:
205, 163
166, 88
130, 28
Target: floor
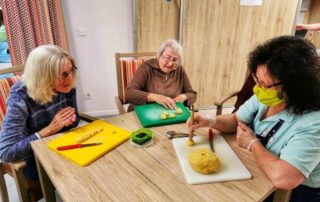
13, 195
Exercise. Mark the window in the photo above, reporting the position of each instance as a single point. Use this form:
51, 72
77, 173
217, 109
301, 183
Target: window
4, 51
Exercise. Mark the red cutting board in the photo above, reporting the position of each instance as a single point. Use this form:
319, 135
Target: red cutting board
111, 137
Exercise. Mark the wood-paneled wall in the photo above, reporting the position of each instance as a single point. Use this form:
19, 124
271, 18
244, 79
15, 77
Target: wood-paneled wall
156, 21
216, 38
218, 35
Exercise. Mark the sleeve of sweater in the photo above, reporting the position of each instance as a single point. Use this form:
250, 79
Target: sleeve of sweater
187, 90
134, 91
14, 139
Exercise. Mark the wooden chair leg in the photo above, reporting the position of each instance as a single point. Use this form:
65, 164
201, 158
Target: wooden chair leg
3, 191
119, 105
21, 186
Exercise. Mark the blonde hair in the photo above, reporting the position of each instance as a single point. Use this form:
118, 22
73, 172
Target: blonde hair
42, 70
170, 43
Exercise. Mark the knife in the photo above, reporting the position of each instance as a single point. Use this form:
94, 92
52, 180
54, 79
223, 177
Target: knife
211, 139
74, 146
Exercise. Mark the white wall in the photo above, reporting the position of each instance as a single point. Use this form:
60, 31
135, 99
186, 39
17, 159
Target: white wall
106, 27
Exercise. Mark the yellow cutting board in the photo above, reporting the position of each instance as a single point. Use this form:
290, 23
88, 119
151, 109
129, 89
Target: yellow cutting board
110, 137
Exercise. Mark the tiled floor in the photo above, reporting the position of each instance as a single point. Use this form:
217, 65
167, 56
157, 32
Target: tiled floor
13, 195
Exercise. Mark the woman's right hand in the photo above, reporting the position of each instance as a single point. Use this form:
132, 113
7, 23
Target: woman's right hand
64, 117
199, 122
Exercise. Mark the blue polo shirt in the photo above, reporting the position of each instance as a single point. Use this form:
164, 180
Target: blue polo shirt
296, 142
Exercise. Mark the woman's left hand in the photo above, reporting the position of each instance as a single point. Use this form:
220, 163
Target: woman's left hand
244, 135
180, 98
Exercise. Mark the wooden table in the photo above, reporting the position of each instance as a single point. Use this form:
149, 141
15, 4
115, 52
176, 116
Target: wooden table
128, 173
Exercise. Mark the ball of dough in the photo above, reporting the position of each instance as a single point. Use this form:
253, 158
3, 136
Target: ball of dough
179, 111
204, 161
163, 116
190, 142
165, 112
172, 116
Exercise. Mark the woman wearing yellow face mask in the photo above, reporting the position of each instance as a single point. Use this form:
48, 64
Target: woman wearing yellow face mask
280, 123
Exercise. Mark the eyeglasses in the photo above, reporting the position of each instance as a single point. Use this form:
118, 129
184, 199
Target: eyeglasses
64, 75
171, 59
255, 78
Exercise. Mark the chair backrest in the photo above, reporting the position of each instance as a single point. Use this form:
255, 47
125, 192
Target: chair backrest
8, 77
13, 75
245, 93
127, 64
242, 95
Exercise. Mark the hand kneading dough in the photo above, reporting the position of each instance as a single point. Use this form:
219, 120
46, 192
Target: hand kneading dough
204, 161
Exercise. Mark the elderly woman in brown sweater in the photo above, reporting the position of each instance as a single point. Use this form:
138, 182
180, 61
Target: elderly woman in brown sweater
161, 80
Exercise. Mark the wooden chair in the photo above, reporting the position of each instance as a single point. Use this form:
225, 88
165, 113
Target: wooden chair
127, 64
242, 95
28, 190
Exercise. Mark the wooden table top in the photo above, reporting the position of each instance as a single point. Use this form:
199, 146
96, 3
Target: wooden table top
128, 173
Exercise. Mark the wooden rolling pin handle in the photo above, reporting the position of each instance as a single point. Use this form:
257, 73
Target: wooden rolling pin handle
191, 121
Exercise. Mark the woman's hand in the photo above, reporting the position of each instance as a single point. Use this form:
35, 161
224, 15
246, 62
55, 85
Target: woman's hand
199, 122
64, 117
300, 27
180, 98
165, 101
245, 136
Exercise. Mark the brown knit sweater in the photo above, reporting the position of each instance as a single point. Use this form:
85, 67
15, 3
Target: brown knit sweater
150, 79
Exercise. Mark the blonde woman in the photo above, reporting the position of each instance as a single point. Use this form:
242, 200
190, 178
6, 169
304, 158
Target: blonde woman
43, 103
162, 79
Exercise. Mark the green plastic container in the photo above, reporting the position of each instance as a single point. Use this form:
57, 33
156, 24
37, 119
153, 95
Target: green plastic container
141, 136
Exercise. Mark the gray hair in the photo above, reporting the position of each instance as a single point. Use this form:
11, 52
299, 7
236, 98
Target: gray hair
170, 43
42, 69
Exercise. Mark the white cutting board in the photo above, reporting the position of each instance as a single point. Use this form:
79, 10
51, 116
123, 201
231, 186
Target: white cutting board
231, 166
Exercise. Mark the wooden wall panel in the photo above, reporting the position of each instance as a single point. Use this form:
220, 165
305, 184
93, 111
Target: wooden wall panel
314, 17
218, 35
156, 21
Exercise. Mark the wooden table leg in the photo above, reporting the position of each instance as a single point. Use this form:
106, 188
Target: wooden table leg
47, 187
281, 195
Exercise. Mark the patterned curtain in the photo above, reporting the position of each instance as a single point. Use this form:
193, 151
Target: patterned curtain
30, 23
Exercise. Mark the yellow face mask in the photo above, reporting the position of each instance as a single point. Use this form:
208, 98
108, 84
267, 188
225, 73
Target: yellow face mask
268, 97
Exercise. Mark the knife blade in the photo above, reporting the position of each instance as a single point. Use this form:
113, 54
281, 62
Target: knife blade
75, 146
211, 139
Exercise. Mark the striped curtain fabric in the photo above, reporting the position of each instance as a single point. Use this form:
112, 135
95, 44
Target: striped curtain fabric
5, 85
30, 23
128, 69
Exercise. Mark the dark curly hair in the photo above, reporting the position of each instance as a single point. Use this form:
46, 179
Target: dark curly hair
292, 61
